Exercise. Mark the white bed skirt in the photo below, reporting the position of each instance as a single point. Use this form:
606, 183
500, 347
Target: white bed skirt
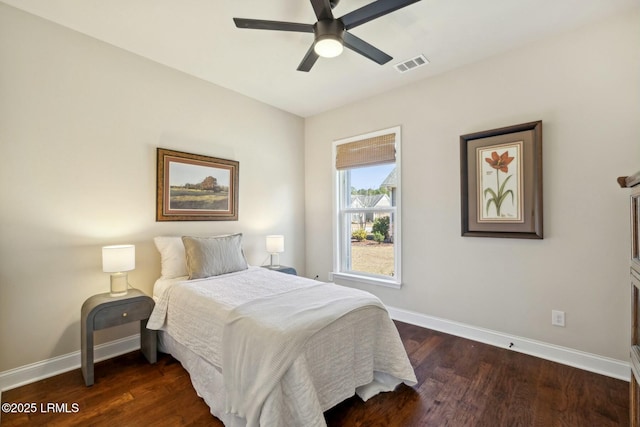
206, 379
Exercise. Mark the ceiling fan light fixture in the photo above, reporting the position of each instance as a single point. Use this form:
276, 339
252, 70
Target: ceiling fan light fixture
331, 34
328, 47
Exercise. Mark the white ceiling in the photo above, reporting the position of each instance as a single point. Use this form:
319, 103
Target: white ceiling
199, 37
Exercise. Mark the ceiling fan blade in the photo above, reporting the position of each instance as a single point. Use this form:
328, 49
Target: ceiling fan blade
365, 49
309, 59
372, 11
258, 24
322, 8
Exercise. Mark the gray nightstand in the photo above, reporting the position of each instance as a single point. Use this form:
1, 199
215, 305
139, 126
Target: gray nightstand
104, 311
282, 269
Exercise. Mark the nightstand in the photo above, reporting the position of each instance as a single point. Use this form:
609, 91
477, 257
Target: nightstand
104, 311
282, 269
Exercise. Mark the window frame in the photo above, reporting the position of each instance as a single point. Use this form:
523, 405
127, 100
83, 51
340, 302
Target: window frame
342, 215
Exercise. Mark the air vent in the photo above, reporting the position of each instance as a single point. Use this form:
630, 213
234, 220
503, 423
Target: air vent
411, 64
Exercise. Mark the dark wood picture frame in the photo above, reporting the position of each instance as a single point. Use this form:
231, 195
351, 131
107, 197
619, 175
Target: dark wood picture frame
193, 187
510, 157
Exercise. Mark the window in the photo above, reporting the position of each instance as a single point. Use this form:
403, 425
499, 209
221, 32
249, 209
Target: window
367, 208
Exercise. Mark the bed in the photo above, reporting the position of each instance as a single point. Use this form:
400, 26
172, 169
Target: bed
264, 348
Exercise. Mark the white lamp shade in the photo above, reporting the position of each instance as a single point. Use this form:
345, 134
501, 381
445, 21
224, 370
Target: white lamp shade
275, 244
118, 258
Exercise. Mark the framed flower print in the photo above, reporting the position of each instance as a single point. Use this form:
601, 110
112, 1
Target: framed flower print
501, 182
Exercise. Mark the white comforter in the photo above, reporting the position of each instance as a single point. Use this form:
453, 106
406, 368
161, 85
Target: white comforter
195, 313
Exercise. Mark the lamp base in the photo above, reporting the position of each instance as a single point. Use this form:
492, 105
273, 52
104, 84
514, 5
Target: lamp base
119, 284
275, 260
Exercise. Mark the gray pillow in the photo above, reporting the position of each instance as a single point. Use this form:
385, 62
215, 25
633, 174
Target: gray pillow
215, 255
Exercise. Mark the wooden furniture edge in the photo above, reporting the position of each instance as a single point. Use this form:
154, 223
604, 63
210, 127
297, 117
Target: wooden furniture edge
629, 181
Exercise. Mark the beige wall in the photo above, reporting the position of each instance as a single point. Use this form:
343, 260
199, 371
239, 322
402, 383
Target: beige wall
584, 86
80, 121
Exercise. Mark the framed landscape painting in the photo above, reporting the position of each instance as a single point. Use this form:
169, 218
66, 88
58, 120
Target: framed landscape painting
501, 182
193, 187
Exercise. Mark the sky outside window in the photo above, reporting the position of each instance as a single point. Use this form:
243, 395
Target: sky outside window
371, 176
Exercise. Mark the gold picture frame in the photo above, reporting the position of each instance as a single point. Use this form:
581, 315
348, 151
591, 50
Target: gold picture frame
194, 187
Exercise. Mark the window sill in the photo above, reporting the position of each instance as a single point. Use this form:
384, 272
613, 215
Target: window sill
340, 278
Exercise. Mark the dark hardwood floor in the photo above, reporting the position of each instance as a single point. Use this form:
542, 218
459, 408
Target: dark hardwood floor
460, 383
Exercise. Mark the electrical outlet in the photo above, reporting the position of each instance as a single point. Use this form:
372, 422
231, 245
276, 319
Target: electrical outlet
557, 318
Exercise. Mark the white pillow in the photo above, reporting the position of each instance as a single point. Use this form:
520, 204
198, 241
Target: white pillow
172, 257
215, 255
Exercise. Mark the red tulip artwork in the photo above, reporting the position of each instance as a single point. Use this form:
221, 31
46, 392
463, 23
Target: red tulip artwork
500, 183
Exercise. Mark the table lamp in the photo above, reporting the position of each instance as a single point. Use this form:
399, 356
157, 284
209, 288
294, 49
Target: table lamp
275, 245
117, 260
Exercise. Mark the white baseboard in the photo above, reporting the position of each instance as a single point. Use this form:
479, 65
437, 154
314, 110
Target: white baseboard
590, 362
48, 368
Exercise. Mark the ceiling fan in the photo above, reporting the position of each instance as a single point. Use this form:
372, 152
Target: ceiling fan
331, 33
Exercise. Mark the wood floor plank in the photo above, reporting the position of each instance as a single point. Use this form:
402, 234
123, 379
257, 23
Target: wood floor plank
460, 383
